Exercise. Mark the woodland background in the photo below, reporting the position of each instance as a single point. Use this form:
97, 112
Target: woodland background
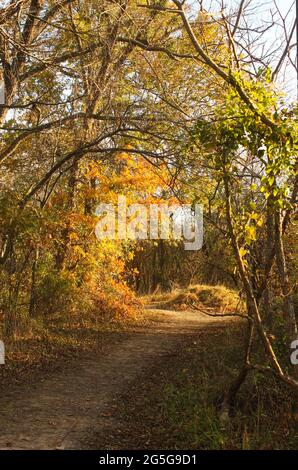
160, 101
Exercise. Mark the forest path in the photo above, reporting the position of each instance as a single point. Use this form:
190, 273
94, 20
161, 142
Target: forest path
63, 409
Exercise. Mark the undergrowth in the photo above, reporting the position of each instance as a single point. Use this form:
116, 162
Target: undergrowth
177, 406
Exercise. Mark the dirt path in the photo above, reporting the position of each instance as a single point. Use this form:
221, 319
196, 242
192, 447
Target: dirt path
61, 410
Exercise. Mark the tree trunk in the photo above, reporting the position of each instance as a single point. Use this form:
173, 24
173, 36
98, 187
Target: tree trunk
32, 302
63, 247
289, 310
234, 388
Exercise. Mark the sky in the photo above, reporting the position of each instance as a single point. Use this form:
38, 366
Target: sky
289, 76
260, 14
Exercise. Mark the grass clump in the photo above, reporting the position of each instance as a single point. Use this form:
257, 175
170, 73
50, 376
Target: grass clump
218, 298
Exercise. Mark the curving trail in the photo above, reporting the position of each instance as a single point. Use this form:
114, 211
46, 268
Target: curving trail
63, 409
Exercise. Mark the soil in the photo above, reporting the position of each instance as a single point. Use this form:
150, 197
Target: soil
66, 408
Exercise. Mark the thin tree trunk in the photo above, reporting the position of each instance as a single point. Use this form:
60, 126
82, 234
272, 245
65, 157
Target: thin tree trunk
250, 296
63, 247
230, 396
32, 302
289, 309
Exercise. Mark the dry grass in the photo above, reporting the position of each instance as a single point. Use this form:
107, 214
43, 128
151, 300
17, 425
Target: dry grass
219, 298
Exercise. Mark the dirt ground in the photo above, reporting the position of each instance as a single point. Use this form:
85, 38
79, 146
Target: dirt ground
65, 408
